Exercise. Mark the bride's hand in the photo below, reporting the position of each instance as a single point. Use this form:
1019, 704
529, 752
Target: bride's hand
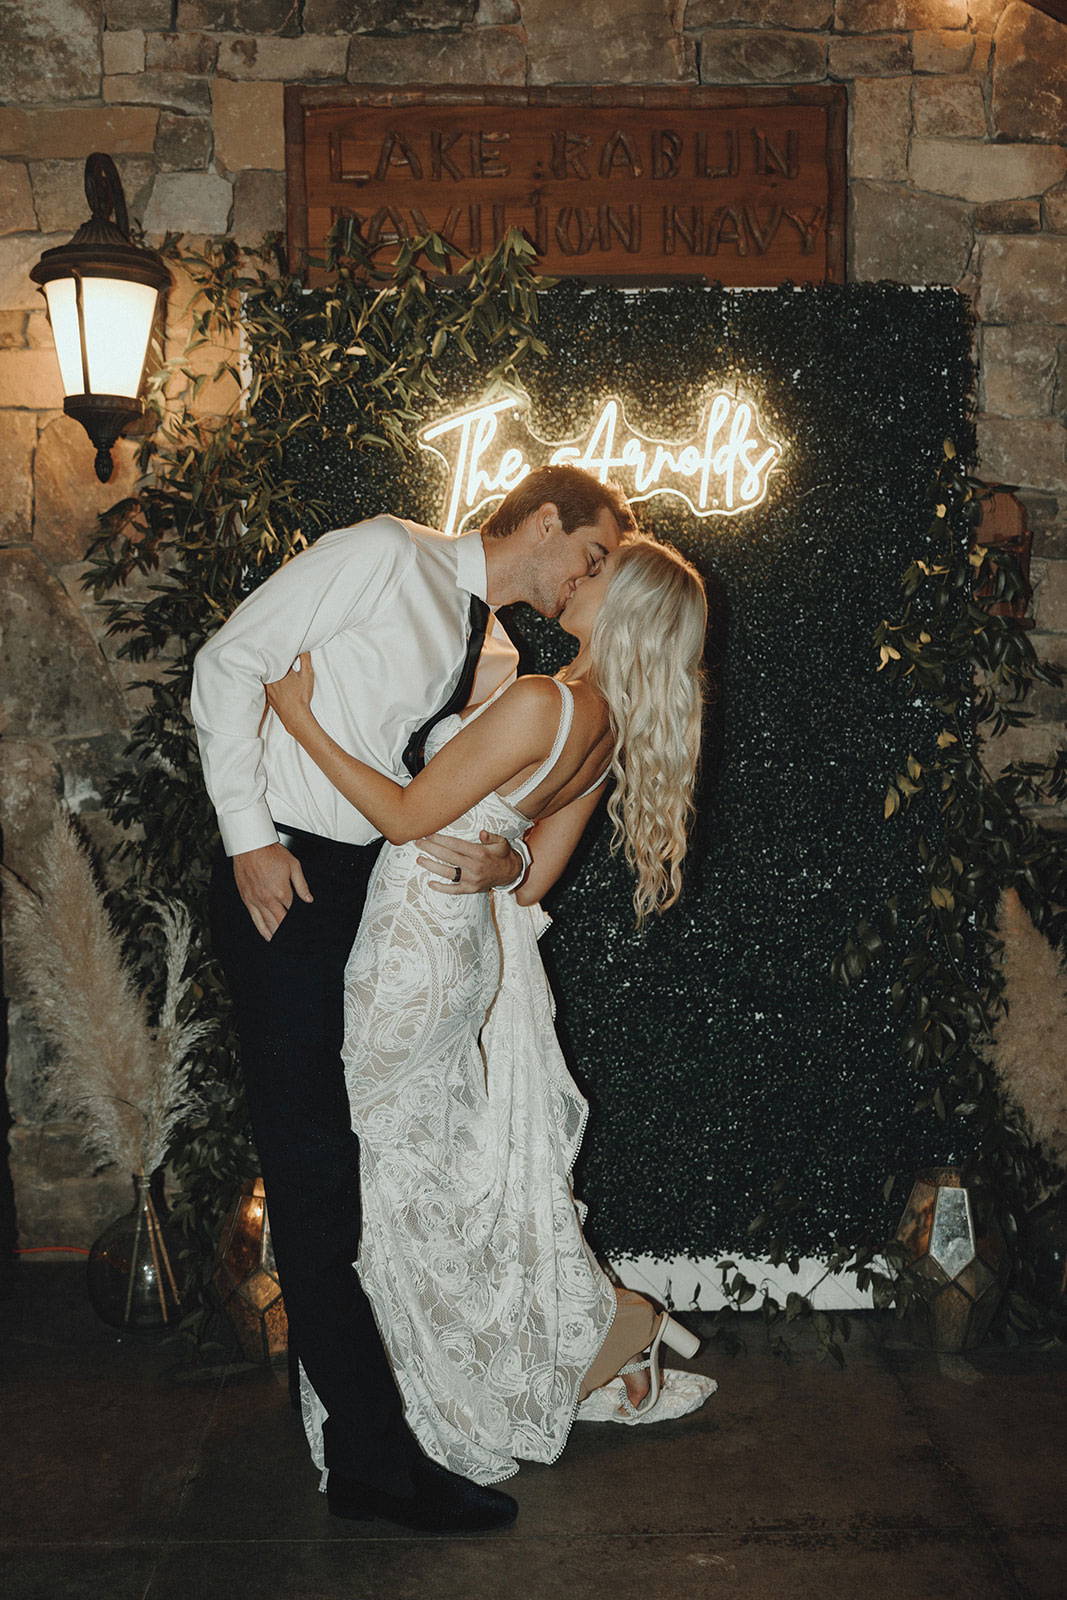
290, 696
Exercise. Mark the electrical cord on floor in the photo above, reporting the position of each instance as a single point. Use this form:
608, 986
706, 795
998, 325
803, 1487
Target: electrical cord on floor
52, 1249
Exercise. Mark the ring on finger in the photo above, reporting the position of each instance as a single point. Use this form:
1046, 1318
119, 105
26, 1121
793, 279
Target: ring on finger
457, 875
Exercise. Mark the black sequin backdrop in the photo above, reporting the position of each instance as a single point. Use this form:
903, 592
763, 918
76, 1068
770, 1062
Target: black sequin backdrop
716, 1050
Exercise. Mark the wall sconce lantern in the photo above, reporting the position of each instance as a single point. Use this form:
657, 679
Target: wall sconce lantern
102, 291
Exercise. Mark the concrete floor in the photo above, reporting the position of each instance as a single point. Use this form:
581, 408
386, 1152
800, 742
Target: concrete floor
133, 1473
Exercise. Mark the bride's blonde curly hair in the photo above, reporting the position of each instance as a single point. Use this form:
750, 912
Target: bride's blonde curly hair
646, 651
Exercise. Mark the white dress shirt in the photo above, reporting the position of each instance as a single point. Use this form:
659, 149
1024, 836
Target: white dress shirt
384, 609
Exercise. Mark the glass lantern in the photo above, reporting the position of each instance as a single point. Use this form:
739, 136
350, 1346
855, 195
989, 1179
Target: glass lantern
247, 1279
102, 291
958, 1262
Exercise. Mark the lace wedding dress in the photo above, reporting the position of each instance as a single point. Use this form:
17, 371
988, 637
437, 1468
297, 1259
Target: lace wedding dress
488, 1299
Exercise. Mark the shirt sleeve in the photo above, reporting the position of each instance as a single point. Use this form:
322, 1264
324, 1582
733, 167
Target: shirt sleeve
339, 583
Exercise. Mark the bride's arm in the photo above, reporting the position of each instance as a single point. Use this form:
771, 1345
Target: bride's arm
515, 732
552, 842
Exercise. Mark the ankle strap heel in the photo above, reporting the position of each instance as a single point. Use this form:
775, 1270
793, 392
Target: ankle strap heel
680, 1340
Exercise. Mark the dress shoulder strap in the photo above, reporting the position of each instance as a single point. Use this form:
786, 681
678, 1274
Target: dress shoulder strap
515, 797
594, 785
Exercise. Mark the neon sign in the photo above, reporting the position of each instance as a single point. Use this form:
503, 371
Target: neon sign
721, 469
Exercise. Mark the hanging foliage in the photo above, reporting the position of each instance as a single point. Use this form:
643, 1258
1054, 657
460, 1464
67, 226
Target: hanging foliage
943, 959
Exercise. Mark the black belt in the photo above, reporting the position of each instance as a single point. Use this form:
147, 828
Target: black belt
297, 839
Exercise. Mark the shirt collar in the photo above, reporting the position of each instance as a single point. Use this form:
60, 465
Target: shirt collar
470, 564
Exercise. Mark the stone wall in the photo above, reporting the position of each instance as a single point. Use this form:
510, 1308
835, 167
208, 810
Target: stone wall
956, 176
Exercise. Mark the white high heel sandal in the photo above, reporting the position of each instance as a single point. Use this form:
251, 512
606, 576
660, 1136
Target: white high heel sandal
679, 1339
671, 1393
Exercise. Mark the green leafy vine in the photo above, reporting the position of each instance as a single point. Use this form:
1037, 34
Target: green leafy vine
959, 643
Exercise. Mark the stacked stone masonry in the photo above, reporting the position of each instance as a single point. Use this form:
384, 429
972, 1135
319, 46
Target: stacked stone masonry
957, 174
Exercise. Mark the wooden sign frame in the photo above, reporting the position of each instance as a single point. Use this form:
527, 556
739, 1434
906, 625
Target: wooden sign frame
741, 186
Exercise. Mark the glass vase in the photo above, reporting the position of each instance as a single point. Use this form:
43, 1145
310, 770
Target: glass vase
132, 1273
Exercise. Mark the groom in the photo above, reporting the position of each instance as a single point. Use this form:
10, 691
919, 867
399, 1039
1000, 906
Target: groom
398, 620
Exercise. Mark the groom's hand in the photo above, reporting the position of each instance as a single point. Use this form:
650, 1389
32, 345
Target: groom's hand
483, 866
266, 881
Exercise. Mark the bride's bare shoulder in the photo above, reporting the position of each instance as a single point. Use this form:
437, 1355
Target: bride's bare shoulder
533, 697
590, 707
534, 686
536, 698
532, 691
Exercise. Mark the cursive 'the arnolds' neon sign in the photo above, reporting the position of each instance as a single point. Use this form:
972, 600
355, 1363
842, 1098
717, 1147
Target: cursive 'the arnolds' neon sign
721, 469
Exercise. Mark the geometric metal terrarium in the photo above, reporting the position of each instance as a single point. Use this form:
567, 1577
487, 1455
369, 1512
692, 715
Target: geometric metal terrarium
246, 1277
958, 1267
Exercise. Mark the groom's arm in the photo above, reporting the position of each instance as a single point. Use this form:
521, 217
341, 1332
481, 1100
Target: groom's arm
334, 585
341, 581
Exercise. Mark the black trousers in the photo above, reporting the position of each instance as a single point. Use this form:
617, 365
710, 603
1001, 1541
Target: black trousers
288, 1001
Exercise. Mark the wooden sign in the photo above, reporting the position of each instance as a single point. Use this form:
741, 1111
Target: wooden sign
743, 187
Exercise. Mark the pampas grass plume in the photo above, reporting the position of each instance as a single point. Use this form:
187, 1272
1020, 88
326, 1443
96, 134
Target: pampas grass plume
124, 1083
1030, 1041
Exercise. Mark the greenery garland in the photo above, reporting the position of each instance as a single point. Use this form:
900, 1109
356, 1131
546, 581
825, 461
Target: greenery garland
222, 509
940, 954
977, 667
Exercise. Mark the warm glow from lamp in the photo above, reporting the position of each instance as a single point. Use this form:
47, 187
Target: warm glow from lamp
63, 315
118, 324
246, 1277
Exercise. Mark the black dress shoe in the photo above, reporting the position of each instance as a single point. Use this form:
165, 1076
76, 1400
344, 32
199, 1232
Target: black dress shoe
442, 1502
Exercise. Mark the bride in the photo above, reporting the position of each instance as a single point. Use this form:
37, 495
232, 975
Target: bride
497, 1319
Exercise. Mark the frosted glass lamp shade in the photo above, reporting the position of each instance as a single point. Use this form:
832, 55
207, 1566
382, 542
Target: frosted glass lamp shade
115, 320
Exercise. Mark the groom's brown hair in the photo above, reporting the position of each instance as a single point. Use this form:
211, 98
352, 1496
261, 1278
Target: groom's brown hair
576, 495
